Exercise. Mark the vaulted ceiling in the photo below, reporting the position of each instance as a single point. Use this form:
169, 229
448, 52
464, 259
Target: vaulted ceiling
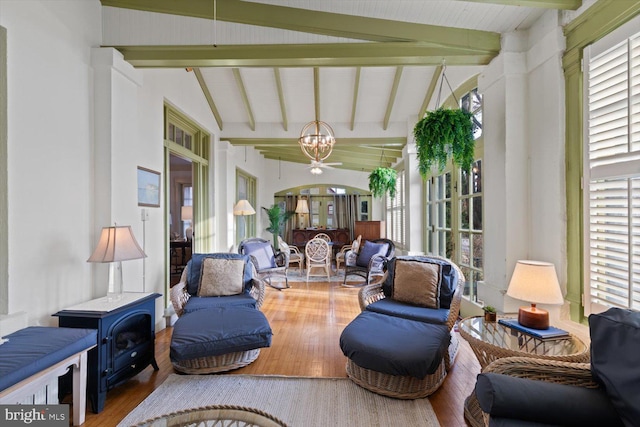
369, 68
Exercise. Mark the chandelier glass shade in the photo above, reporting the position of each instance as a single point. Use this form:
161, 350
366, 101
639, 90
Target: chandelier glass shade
316, 140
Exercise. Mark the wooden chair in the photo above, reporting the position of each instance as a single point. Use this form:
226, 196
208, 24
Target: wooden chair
295, 256
318, 255
323, 236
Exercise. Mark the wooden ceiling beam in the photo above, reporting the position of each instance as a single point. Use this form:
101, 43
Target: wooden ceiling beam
283, 107
207, 94
245, 98
546, 4
392, 97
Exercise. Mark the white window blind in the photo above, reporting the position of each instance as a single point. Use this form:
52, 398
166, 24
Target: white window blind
396, 213
612, 163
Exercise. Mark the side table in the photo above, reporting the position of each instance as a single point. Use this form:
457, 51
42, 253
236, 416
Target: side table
491, 341
126, 339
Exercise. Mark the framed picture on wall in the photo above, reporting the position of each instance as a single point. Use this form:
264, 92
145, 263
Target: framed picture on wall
148, 187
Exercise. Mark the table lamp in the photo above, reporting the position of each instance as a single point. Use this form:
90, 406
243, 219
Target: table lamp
537, 283
243, 208
116, 244
302, 208
186, 214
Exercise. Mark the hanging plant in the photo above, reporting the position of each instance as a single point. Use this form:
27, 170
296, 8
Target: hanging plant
442, 134
383, 180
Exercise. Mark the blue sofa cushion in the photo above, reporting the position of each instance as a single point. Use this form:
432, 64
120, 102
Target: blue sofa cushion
33, 349
194, 268
393, 345
217, 331
448, 277
508, 397
369, 250
262, 253
394, 308
615, 346
201, 303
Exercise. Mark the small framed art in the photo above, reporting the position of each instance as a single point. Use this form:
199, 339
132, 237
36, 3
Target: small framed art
148, 187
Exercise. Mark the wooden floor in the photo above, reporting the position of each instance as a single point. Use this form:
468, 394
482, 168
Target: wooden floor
306, 321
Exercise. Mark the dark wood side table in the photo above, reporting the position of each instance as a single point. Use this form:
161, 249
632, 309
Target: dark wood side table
126, 339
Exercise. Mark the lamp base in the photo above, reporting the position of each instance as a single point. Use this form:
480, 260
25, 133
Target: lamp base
533, 317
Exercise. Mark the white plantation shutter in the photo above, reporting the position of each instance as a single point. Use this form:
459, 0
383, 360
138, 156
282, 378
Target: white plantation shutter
396, 213
612, 168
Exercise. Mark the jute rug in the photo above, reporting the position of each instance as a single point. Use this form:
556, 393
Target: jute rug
299, 402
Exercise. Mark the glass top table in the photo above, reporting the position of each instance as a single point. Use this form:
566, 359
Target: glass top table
492, 340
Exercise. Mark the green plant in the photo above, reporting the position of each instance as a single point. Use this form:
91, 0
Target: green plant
489, 309
277, 218
383, 180
442, 134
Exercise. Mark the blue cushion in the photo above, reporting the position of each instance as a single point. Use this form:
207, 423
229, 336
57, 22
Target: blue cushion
369, 250
263, 254
504, 396
394, 346
202, 303
36, 348
448, 278
615, 346
398, 309
217, 331
194, 266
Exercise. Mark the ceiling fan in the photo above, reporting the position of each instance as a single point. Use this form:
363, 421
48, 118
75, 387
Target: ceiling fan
316, 166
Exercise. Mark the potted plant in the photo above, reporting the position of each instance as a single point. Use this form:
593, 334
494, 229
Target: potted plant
489, 313
382, 181
277, 218
442, 134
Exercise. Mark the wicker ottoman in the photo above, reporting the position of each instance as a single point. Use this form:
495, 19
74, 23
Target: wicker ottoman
395, 357
218, 339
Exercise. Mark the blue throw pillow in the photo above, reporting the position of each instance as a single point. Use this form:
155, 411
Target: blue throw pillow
369, 250
448, 277
194, 267
262, 252
615, 345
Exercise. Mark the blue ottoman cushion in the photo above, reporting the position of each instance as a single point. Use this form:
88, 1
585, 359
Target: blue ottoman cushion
412, 312
202, 303
33, 349
217, 331
393, 345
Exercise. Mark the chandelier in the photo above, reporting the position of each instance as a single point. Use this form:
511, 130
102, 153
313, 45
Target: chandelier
316, 140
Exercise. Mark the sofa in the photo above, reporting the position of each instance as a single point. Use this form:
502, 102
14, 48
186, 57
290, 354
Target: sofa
399, 345
521, 391
220, 325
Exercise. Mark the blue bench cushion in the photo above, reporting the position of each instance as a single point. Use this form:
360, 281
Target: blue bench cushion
194, 269
391, 307
508, 397
217, 331
393, 345
36, 348
202, 303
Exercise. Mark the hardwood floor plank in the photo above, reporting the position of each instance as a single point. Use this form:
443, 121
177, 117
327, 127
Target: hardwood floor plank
307, 322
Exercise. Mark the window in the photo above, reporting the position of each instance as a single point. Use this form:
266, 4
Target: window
395, 214
454, 208
245, 189
611, 170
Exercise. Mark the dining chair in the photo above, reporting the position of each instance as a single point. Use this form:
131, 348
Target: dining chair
318, 255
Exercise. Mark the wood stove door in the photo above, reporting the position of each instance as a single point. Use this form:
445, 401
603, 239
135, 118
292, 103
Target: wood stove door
131, 347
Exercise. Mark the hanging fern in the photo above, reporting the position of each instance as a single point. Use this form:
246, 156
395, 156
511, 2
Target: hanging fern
383, 180
442, 134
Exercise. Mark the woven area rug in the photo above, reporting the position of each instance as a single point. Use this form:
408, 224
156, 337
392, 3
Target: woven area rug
299, 402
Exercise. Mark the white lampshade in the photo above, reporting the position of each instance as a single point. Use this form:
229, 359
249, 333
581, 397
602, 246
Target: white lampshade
243, 207
186, 213
535, 282
116, 244
302, 207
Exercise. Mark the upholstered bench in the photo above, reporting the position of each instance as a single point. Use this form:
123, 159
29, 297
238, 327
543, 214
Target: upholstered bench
34, 357
218, 339
395, 357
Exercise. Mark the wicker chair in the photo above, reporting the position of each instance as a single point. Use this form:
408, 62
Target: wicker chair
179, 296
264, 258
342, 254
295, 256
374, 264
373, 292
569, 373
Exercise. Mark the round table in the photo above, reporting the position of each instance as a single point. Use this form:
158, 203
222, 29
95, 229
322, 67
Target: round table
219, 414
492, 340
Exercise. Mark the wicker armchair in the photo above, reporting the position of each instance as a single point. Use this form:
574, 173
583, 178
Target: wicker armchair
267, 263
295, 256
568, 373
373, 292
342, 254
374, 264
